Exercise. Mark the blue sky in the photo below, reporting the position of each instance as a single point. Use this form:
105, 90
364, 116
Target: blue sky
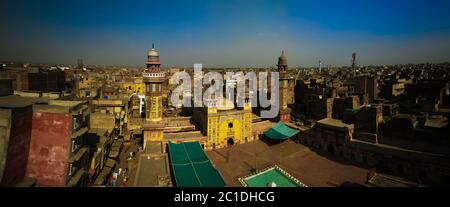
231, 33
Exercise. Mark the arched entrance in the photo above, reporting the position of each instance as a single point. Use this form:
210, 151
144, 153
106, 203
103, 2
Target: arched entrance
230, 142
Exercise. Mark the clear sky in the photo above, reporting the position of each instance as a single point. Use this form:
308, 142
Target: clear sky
229, 33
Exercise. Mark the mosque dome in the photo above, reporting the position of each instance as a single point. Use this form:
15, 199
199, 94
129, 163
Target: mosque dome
153, 53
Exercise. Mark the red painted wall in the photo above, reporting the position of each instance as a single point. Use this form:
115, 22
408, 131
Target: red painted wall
49, 148
19, 143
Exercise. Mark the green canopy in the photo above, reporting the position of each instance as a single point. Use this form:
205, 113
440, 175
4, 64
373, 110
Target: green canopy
280, 132
191, 166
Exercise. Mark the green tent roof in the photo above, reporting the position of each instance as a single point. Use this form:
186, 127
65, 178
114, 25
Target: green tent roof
280, 132
191, 167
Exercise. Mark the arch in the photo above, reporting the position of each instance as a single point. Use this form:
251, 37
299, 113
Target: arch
230, 141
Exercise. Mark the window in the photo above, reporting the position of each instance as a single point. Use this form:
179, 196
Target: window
73, 145
70, 169
230, 125
75, 124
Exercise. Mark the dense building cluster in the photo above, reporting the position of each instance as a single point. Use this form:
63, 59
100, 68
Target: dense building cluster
391, 118
97, 126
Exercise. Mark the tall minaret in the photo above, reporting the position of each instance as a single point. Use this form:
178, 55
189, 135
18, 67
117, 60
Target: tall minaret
320, 65
284, 114
282, 63
153, 79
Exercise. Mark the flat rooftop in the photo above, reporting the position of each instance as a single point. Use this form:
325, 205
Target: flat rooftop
333, 122
262, 126
153, 147
177, 121
153, 170
380, 180
184, 135
64, 103
14, 101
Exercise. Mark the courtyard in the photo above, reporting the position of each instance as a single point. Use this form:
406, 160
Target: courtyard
309, 167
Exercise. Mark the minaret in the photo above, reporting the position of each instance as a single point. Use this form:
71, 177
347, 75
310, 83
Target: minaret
282, 63
284, 114
353, 60
320, 65
153, 79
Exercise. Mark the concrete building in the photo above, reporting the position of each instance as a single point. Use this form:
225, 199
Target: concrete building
135, 87
19, 78
392, 88
368, 118
47, 80
15, 134
56, 157
320, 107
389, 156
116, 106
366, 85
340, 104
6, 87
99, 141
331, 135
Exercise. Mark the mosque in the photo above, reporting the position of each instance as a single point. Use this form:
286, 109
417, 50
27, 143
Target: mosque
217, 124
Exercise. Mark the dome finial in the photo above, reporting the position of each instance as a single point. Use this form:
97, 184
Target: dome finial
153, 45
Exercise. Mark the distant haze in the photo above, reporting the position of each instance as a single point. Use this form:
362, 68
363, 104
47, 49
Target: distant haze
226, 33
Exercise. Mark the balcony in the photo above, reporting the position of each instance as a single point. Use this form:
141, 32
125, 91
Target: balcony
153, 75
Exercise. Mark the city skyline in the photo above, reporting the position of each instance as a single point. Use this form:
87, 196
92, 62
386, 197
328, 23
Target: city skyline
227, 34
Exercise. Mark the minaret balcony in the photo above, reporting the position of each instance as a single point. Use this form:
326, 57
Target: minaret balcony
152, 75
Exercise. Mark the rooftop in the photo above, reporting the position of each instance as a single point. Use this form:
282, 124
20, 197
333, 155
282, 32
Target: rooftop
379, 180
13, 101
153, 170
184, 135
333, 122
